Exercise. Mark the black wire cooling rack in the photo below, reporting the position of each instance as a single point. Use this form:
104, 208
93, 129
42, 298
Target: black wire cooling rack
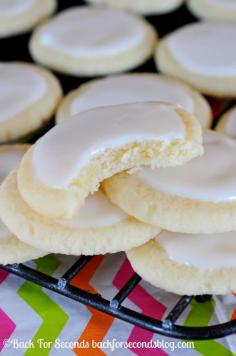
167, 327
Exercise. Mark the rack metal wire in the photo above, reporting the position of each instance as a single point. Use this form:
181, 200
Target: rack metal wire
167, 327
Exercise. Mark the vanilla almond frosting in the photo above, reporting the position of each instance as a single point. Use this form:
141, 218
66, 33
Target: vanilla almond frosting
98, 211
11, 8
88, 31
60, 154
206, 252
20, 87
205, 48
131, 88
9, 160
210, 177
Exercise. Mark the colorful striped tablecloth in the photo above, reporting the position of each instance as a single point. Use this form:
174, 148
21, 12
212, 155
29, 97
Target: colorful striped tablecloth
35, 321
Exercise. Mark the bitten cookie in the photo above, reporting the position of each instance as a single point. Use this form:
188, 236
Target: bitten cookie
188, 264
88, 41
227, 123
70, 161
11, 249
29, 96
197, 197
99, 228
213, 9
131, 88
19, 16
147, 7
204, 55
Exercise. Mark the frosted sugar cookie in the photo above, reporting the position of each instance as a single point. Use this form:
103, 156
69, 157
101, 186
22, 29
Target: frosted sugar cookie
131, 88
88, 41
197, 197
187, 263
11, 249
29, 96
19, 16
204, 55
99, 228
227, 123
146, 7
71, 160
213, 9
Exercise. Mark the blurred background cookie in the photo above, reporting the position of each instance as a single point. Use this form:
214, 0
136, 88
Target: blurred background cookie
29, 95
202, 54
227, 123
89, 41
146, 7
131, 88
17, 19
213, 9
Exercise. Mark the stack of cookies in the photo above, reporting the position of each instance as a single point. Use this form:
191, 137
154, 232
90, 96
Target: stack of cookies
132, 163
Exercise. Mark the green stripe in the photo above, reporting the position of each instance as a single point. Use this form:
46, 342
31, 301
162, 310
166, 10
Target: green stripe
200, 315
53, 316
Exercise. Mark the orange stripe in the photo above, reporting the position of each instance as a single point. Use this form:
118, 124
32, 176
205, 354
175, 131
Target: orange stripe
99, 323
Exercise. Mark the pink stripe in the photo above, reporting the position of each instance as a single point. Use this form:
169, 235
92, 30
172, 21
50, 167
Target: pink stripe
146, 303
3, 275
6, 328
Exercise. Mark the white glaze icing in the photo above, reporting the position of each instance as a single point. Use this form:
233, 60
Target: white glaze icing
97, 212
9, 160
92, 32
206, 252
60, 154
230, 124
210, 177
11, 8
223, 4
205, 48
132, 88
20, 87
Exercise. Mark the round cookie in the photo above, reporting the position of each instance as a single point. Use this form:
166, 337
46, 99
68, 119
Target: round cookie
227, 123
131, 88
29, 96
100, 227
89, 41
21, 16
11, 249
197, 197
146, 7
204, 55
70, 161
213, 9
188, 264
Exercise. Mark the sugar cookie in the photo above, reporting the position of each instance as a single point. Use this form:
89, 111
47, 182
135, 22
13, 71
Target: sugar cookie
99, 228
19, 16
88, 41
213, 9
131, 88
71, 160
227, 123
29, 96
204, 55
197, 197
147, 7
187, 263
11, 249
